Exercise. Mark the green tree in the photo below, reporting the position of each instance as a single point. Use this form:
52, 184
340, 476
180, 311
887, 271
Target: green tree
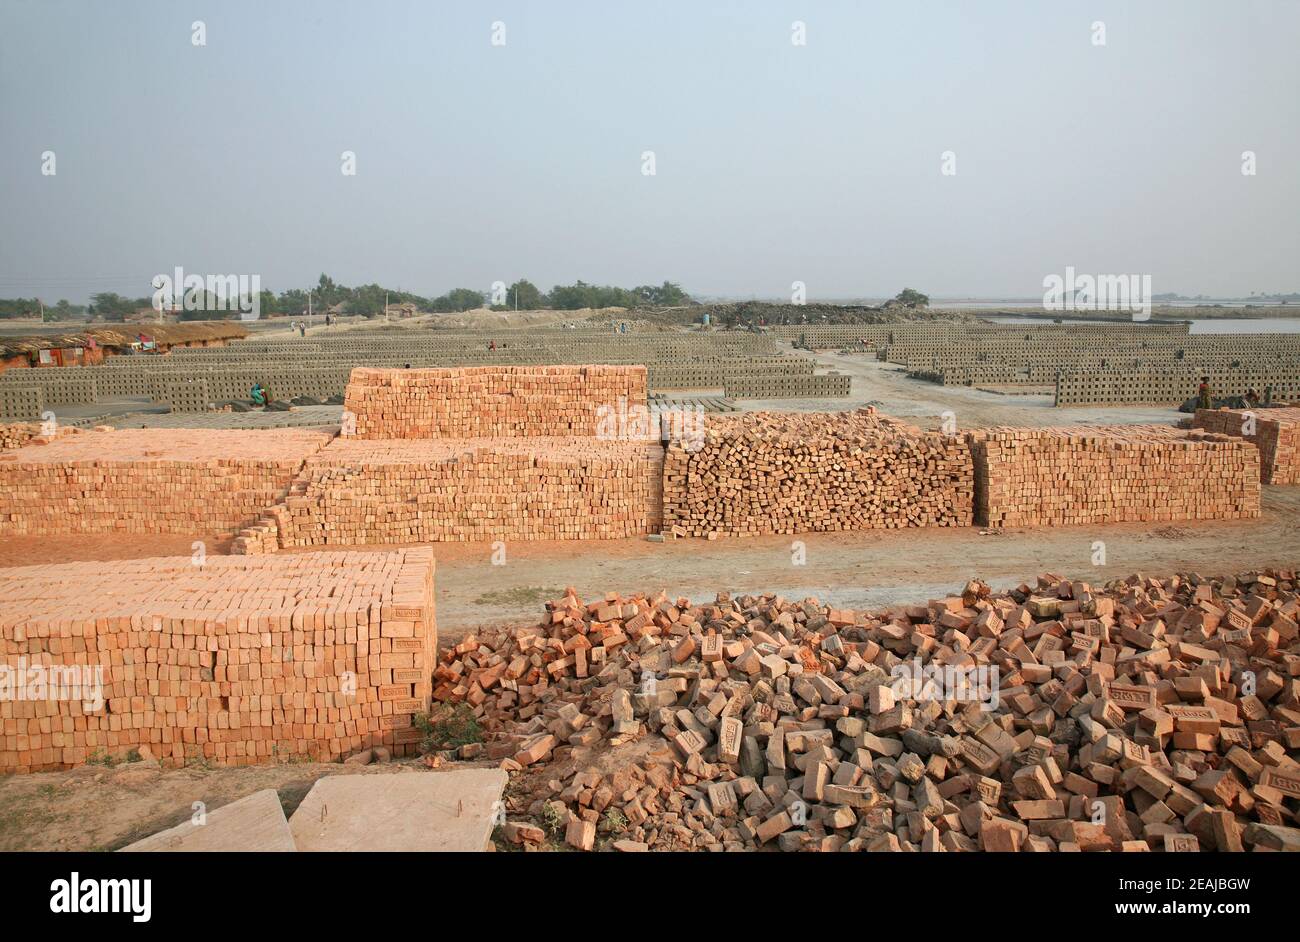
464, 299
112, 306
668, 294
523, 295
910, 297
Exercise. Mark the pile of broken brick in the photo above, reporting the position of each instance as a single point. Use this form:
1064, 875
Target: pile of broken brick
1146, 715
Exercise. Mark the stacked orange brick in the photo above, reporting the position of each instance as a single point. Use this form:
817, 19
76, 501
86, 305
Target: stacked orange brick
150, 481
488, 401
234, 661
769, 472
1111, 474
366, 492
484, 453
1276, 434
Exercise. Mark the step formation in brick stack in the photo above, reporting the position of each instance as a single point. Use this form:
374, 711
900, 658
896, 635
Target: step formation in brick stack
1276, 434
234, 661
770, 472
490, 453
1074, 475
1151, 714
195, 481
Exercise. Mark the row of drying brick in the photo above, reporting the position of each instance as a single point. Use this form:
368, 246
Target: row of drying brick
229, 659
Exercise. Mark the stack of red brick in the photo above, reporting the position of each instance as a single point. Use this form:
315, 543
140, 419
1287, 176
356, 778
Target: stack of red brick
231, 659
1149, 714
488, 401
151, 481
1111, 474
771, 472
484, 453
365, 492
1276, 432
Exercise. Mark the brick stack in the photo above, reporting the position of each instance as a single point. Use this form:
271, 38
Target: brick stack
371, 492
1111, 474
489, 401
770, 472
235, 661
151, 481
1277, 436
1148, 714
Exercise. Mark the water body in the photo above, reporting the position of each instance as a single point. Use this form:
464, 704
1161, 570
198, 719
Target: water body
1218, 325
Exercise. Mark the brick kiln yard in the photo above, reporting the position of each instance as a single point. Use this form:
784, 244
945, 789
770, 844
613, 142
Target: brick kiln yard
680, 720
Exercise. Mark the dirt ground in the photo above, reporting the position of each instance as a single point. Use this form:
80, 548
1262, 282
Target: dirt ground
854, 570
100, 808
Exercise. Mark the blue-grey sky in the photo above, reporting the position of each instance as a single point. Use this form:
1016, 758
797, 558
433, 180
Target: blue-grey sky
774, 162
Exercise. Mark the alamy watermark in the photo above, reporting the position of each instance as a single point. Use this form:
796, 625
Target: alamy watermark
33, 683
1075, 292
179, 291
916, 681
637, 423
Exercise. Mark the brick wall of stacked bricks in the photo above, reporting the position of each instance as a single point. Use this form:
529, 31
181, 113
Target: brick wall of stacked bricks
485, 402
362, 492
1111, 474
1277, 436
759, 473
236, 661
146, 481
411, 473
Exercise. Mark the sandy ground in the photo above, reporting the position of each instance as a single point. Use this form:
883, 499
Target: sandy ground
102, 808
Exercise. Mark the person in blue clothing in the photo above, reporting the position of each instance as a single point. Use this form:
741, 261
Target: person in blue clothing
259, 395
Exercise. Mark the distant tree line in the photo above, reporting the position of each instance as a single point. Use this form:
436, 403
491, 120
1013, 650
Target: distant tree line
365, 300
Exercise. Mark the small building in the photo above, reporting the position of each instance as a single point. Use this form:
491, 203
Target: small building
96, 344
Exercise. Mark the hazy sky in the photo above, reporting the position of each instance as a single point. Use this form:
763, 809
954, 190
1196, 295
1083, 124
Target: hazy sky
774, 162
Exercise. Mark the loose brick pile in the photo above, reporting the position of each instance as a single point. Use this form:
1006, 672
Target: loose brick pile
1111, 474
368, 492
488, 401
1149, 714
770, 472
21, 434
151, 480
236, 661
1277, 436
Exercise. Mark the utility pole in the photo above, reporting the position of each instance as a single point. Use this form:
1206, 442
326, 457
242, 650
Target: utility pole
309, 305
385, 307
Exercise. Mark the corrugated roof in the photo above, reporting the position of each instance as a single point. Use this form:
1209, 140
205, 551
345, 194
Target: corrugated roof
125, 335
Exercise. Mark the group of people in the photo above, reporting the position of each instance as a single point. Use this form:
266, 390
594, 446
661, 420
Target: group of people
1204, 400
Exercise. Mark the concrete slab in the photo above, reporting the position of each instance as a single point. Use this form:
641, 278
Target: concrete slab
253, 823
410, 811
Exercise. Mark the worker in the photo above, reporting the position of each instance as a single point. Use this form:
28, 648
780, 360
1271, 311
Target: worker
259, 395
492, 345
1252, 398
1203, 394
